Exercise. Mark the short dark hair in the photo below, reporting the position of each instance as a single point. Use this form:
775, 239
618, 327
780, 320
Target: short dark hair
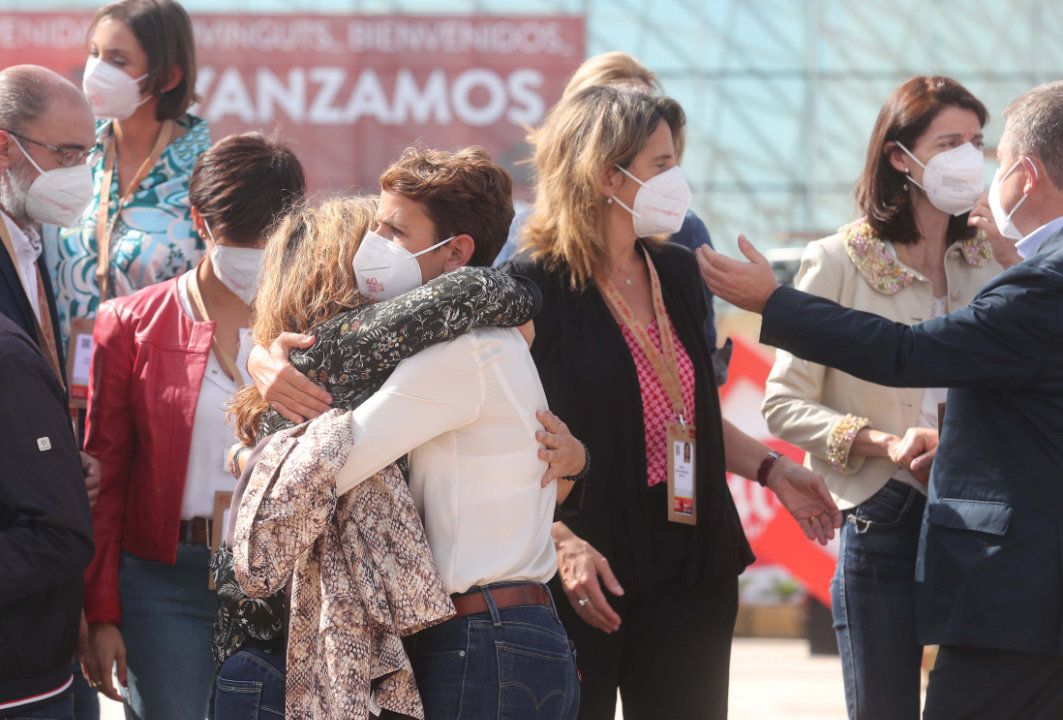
881, 192
243, 184
164, 31
464, 192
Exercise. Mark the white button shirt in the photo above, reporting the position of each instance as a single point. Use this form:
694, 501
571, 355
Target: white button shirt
26, 253
464, 410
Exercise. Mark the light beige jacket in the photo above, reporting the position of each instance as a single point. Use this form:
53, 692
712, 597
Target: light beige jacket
821, 409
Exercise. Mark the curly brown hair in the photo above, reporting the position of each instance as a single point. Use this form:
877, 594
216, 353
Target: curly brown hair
463, 192
306, 280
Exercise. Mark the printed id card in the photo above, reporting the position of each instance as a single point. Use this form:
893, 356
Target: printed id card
682, 446
78, 361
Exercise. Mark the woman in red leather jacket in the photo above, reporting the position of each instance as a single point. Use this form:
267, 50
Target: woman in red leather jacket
166, 362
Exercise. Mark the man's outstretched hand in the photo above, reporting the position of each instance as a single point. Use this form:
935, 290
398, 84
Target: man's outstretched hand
747, 285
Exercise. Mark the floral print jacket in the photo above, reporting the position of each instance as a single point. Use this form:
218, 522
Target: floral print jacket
354, 353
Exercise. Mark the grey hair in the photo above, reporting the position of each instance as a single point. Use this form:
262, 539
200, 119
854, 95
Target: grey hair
1035, 127
24, 97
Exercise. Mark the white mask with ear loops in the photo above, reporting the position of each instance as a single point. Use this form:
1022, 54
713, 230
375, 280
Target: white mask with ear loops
113, 94
385, 269
660, 204
952, 180
238, 268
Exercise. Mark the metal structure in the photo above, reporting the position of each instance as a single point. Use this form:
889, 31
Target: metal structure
780, 95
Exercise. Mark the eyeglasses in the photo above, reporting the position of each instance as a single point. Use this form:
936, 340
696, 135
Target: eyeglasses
68, 156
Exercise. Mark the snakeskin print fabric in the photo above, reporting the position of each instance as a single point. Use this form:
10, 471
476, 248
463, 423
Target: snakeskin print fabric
362, 574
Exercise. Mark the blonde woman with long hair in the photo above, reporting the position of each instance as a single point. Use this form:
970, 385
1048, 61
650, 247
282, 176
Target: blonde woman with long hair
623, 358
308, 286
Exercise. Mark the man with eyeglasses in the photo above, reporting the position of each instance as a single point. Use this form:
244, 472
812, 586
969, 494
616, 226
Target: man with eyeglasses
46, 134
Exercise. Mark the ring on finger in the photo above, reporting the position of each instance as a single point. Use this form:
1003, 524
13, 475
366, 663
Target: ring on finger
583, 602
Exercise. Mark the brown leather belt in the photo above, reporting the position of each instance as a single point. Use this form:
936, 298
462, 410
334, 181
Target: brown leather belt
196, 531
505, 596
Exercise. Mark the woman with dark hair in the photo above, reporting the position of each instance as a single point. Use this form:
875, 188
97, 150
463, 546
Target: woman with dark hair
140, 80
164, 368
912, 256
622, 353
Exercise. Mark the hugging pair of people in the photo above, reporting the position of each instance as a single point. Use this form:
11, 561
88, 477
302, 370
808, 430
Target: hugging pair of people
417, 347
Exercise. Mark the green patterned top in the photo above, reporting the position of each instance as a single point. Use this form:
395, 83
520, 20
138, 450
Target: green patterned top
153, 239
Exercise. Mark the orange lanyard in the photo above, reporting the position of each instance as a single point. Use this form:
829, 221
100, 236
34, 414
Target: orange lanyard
105, 225
45, 335
225, 358
665, 365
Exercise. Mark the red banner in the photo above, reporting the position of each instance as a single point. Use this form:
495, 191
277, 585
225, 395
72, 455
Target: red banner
775, 536
349, 92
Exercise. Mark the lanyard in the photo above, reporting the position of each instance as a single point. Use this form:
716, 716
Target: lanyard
226, 360
45, 335
665, 365
105, 225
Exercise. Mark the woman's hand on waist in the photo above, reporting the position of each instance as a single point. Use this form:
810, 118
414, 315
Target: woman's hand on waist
567, 456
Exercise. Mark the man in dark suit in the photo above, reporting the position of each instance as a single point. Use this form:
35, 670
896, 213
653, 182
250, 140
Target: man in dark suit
990, 568
45, 124
45, 533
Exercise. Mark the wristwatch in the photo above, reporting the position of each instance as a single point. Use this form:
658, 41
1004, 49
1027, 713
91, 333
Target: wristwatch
765, 467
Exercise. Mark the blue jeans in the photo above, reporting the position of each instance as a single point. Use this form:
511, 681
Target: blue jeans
86, 699
873, 603
61, 707
250, 686
506, 664
167, 620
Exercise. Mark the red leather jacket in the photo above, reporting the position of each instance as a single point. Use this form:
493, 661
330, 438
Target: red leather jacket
147, 368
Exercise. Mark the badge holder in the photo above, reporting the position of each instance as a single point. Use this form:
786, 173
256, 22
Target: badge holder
682, 457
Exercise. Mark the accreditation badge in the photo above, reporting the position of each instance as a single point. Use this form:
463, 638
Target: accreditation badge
78, 361
682, 455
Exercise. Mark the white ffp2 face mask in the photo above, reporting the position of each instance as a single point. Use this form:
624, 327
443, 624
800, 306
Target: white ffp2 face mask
953, 180
1003, 221
59, 196
384, 269
238, 268
660, 204
113, 94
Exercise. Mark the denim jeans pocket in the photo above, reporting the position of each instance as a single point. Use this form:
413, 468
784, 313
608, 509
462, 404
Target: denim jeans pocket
884, 509
239, 700
533, 683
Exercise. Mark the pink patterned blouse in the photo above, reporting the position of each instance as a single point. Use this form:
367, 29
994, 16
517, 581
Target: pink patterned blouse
656, 407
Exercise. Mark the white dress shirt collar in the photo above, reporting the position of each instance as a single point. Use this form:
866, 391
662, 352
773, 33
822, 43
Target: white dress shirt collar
1031, 244
27, 246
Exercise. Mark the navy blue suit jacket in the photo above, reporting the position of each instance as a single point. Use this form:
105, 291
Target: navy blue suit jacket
15, 306
990, 566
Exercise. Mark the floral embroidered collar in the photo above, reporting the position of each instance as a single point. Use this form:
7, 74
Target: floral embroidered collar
877, 263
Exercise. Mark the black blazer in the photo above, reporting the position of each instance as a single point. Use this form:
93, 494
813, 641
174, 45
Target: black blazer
591, 383
990, 566
16, 306
44, 522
